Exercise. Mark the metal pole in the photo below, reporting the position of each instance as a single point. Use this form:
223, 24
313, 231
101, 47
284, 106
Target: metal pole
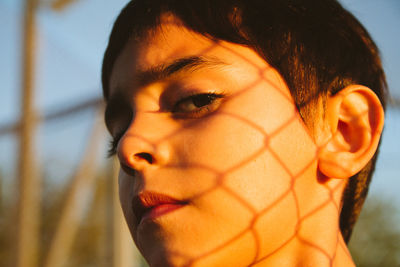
76, 201
61, 4
29, 184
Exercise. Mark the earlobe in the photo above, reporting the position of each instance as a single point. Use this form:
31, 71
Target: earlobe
354, 120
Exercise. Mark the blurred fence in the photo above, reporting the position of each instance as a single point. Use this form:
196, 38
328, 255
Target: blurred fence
29, 249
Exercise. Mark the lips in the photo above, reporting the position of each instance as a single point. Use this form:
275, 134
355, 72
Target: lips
150, 205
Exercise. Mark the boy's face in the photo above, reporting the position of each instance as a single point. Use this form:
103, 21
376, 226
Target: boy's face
225, 168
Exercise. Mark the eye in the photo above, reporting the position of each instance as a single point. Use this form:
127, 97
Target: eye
197, 105
113, 144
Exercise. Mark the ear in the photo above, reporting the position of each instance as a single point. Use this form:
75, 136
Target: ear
354, 122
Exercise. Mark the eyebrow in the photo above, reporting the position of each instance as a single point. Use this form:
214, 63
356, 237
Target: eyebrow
184, 64
159, 72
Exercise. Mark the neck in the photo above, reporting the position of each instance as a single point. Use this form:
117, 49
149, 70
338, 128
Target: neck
316, 243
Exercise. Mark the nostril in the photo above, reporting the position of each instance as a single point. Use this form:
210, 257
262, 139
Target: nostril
145, 156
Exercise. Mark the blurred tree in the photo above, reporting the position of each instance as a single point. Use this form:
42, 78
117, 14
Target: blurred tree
376, 237
91, 248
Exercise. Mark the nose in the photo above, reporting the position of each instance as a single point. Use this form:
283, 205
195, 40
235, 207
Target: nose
143, 146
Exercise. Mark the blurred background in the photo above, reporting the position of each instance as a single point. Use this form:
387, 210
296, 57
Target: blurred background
58, 204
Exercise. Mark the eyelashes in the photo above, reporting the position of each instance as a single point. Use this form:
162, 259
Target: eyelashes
193, 106
196, 105
113, 144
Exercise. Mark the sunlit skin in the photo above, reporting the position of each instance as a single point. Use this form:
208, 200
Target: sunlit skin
223, 135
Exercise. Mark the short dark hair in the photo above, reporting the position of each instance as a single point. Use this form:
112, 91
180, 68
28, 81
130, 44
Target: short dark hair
317, 46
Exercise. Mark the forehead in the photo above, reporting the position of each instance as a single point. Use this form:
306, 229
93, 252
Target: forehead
172, 41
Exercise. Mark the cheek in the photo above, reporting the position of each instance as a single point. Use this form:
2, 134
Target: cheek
256, 146
294, 148
125, 184
220, 143
126, 187
239, 131
260, 183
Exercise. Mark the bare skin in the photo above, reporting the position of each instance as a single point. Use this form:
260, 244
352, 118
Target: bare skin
216, 131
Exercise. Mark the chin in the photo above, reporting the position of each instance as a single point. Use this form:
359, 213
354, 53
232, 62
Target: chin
160, 258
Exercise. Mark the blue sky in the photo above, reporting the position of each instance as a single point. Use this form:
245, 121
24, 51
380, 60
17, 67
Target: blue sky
69, 53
